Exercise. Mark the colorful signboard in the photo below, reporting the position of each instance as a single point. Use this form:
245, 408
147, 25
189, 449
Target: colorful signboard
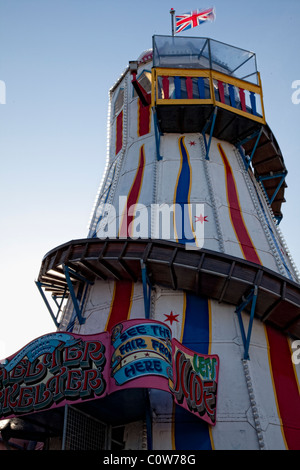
141, 355
60, 368
52, 370
195, 381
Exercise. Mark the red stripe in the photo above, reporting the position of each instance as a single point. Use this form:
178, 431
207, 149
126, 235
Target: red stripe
243, 99
165, 84
121, 303
285, 382
286, 387
119, 132
126, 225
221, 91
236, 214
189, 87
143, 119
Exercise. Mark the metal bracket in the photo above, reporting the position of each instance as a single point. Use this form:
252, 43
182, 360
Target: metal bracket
146, 289
54, 317
77, 307
282, 177
148, 420
212, 121
252, 297
242, 142
158, 134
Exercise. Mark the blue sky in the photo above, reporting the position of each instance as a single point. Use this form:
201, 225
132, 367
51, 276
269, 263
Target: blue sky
58, 60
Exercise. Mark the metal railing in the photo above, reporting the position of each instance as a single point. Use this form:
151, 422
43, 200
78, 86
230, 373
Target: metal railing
208, 87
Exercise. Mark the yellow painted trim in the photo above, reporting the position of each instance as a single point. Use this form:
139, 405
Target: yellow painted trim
211, 438
236, 81
130, 303
111, 306
261, 97
153, 88
184, 101
211, 88
240, 112
211, 75
173, 426
162, 72
294, 366
183, 317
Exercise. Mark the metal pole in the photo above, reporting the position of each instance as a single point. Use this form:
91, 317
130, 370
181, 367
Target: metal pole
172, 12
63, 446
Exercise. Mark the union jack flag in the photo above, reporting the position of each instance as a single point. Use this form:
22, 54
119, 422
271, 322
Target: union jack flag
193, 18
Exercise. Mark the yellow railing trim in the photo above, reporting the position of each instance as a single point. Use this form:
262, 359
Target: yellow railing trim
184, 101
211, 75
236, 82
162, 72
207, 73
240, 112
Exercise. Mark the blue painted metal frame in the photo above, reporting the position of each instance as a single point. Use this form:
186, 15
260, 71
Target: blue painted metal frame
201, 88
157, 136
54, 317
146, 290
148, 420
282, 177
239, 145
212, 121
78, 308
252, 297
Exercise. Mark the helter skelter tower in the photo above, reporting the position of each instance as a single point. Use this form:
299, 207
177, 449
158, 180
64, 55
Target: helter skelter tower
187, 128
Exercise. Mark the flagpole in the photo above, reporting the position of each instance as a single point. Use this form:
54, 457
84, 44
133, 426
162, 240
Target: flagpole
172, 12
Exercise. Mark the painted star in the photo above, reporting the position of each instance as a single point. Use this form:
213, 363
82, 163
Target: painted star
192, 143
201, 218
171, 318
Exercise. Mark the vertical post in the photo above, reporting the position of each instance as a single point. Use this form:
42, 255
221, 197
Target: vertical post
172, 12
148, 420
39, 286
63, 446
211, 132
146, 290
246, 355
73, 296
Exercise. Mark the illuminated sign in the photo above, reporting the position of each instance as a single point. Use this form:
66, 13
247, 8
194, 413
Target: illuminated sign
60, 368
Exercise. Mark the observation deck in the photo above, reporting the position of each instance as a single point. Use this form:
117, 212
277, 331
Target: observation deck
203, 85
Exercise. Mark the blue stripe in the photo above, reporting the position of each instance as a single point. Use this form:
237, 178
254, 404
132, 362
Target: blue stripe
191, 433
177, 83
196, 328
182, 217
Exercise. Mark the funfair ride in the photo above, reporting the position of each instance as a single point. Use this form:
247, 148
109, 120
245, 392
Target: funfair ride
185, 232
